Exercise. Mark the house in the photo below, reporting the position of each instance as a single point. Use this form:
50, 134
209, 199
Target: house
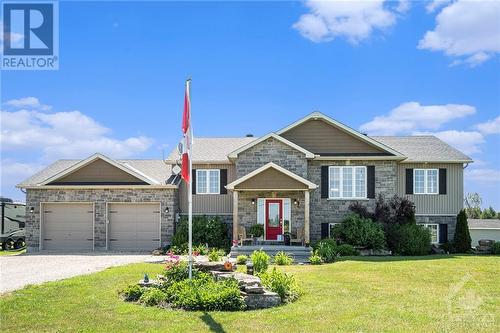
484, 229
300, 179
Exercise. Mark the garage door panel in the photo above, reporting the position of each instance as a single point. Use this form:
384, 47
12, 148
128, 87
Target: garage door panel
67, 226
134, 226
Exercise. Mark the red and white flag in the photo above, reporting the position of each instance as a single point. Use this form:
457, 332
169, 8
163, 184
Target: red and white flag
187, 135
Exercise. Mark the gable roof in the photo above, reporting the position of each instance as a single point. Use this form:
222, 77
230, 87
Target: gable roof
310, 185
156, 171
426, 148
362, 137
235, 153
212, 150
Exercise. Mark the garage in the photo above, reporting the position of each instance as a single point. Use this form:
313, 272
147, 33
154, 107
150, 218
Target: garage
67, 226
134, 226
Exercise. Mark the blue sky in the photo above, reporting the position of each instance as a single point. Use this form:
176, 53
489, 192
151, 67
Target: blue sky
397, 68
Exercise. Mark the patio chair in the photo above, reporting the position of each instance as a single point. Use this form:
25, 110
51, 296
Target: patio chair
242, 235
299, 237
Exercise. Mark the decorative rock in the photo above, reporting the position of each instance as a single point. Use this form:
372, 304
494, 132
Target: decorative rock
371, 252
254, 290
437, 250
207, 266
262, 301
148, 284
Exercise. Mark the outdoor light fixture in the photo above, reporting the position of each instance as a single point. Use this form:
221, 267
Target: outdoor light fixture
296, 202
32, 210
253, 201
167, 209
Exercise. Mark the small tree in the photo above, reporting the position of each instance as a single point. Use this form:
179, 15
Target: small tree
462, 241
489, 213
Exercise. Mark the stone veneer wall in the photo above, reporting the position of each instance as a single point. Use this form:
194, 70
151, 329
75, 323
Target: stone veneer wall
167, 197
271, 150
247, 213
326, 211
450, 220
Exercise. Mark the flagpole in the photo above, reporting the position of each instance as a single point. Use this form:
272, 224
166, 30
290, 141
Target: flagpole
190, 196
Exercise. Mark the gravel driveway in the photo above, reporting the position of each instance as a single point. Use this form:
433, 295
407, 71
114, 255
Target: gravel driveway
21, 270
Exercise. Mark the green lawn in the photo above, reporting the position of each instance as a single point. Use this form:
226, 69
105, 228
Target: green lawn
354, 295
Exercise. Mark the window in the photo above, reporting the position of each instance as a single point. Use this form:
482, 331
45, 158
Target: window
330, 228
434, 229
347, 182
207, 181
425, 181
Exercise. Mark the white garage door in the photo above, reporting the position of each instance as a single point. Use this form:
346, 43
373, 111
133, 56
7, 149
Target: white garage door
134, 227
67, 226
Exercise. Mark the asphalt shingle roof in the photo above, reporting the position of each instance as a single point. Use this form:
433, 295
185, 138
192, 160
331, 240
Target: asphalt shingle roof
157, 170
426, 148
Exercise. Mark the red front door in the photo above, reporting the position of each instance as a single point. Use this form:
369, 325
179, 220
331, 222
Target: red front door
274, 219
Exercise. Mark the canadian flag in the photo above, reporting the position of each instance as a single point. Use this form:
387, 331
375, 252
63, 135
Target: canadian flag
187, 135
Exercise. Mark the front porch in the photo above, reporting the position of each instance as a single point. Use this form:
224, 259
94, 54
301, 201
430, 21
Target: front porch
276, 199
300, 254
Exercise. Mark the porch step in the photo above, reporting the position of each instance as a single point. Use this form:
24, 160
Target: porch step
300, 254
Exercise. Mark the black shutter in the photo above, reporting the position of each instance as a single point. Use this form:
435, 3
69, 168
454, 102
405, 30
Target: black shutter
409, 181
443, 233
193, 184
324, 230
223, 181
442, 181
324, 181
370, 178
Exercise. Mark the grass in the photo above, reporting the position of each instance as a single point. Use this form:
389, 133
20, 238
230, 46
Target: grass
11, 253
355, 294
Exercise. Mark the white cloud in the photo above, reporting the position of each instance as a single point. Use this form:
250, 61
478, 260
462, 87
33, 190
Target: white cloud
467, 30
16, 39
435, 4
28, 102
412, 116
13, 171
466, 141
354, 20
483, 175
403, 6
64, 135
489, 127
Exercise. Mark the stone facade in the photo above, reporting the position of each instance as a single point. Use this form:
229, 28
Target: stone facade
167, 198
247, 212
326, 210
451, 221
271, 150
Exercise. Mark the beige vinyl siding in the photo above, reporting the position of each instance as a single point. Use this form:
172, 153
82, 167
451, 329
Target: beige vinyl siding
436, 204
99, 171
271, 179
320, 138
209, 203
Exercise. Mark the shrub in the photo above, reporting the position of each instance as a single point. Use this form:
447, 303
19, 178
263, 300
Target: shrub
327, 251
346, 250
359, 231
257, 230
241, 259
179, 249
496, 248
330, 241
410, 239
153, 296
282, 258
260, 260
203, 293
281, 283
216, 255
201, 249
462, 241
361, 210
315, 259
402, 210
206, 230
132, 293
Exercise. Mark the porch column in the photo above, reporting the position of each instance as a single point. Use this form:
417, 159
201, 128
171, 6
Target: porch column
306, 216
235, 215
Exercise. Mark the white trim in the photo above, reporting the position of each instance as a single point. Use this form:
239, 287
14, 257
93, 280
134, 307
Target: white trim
437, 231
207, 171
329, 225
235, 153
426, 171
306, 182
341, 185
318, 115
91, 159
40, 247
133, 203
